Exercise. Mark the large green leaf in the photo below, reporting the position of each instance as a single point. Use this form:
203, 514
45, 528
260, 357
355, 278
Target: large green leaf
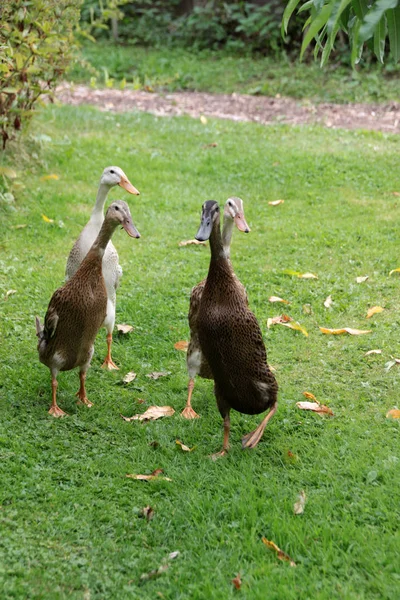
360, 8
291, 7
393, 23
373, 16
379, 39
316, 25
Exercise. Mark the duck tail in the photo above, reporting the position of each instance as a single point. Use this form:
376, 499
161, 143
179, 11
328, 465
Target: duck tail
39, 329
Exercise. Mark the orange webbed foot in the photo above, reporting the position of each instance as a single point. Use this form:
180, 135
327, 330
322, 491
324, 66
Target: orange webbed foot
56, 412
109, 364
189, 413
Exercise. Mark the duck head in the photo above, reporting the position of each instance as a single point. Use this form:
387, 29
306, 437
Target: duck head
234, 210
118, 213
115, 176
209, 216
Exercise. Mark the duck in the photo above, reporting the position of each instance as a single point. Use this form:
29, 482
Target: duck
231, 340
77, 310
112, 270
195, 360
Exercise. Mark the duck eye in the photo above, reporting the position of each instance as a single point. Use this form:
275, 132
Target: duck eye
116, 208
112, 171
230, 203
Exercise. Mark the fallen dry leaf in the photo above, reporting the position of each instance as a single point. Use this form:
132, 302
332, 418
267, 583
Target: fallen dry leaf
158, 374
277, 299
20, 226
373, 352
8, 172
394, 271
237, 582
153, 574
147, 512
393, 414
278, 319
48, 177
310, 396
396, 193
123, 328
296, 326
152, 414
344, 330
9, 293
47, 220
276, 202
300, 275
391, 363
280, 553
191, 242
307, 309
203, 120
154, 475
362, 279
184, 447
298, 507
321, 409
374, 310
181, 345
328, 302
212, 145
129, 377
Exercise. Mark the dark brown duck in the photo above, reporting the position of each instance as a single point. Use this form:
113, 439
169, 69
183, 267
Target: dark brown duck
231, 339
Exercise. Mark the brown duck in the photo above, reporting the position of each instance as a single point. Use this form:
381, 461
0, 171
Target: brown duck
77, 310
231, 339
195, 360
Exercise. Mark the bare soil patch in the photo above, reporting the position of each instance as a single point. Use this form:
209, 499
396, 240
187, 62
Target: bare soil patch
239, 107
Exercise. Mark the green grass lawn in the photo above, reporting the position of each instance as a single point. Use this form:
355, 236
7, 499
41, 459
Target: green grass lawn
70, 524
177, 69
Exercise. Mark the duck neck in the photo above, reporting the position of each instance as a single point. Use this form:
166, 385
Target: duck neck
227, 229
104, 236
98, 210
216, 243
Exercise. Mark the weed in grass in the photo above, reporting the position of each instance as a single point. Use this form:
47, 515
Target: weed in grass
69, 516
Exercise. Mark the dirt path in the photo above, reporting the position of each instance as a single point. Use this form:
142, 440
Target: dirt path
237, 107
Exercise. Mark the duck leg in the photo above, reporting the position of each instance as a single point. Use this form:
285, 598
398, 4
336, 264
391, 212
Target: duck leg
81, 393
225, 445
55, 410
188, 411
108, 361
251, 439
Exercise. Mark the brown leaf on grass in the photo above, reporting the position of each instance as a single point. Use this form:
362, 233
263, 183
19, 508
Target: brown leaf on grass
9, 293
147, 512
47, 220
123, 328
300, 275
191, 243
291, 456
394, 271
298, 507
278, 319
276, 202
154, 475
321, 409
394, 413
139, 400
49, 177
277, 299
181, 345
280, 553
328, 302
310, 396
374, 310
349, 330
184, 447
131, 376
152, 414
362, 279
212, 145
158, 374
373, 352
396, 193
237, 582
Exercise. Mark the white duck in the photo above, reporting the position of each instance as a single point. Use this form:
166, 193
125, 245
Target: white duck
112, 271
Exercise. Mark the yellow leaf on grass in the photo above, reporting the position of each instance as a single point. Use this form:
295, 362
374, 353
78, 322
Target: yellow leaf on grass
321, 409
203, 120
184, 447
8, 172
374, 310
296, 326
276, 202
298, 507
181, 345
394, 271
300, 275
124, 328
393, 414
280, 553
47, 220
309, 395
20, 226
277, 299
152, 413
349, 330
9, 293
373, 352
191, 243
328, 302
362, 279
49, 177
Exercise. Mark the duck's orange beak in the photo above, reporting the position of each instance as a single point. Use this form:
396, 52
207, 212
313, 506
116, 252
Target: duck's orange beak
241, 223
126, 184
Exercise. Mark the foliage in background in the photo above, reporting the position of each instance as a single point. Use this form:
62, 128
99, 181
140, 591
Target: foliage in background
366, 24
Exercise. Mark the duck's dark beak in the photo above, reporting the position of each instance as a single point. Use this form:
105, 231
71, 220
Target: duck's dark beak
126, 184
241, 223
130, 228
